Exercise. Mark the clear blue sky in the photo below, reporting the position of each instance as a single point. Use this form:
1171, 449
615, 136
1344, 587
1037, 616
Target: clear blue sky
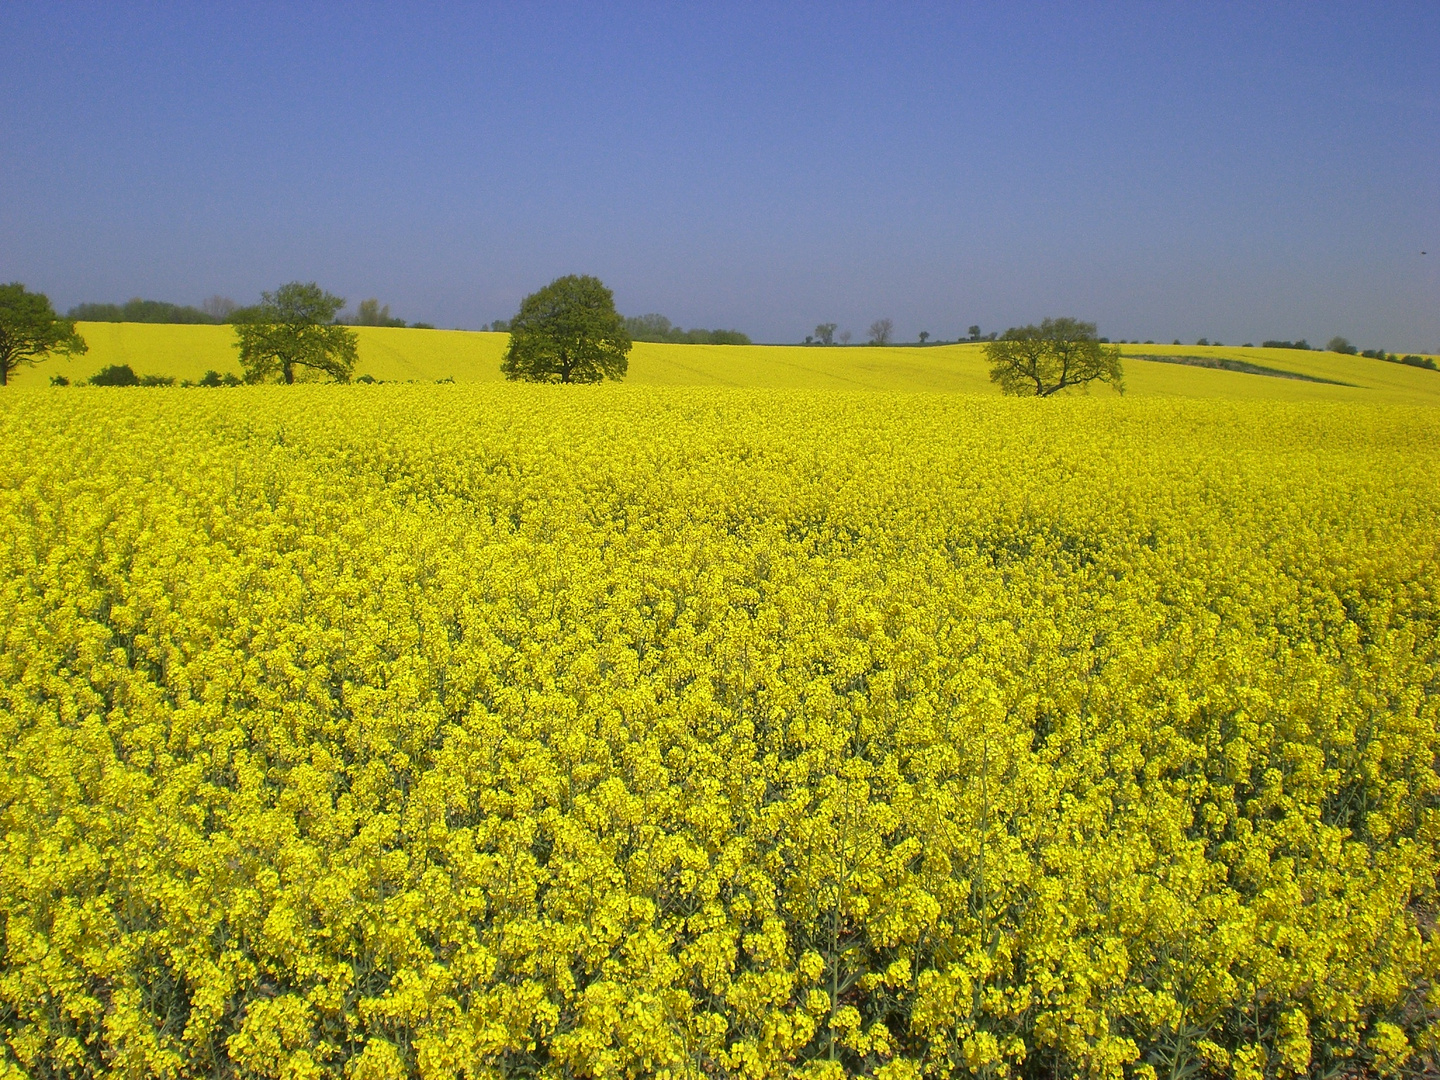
1239, 171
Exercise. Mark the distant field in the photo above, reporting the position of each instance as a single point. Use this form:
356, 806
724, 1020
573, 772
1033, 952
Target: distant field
397, 355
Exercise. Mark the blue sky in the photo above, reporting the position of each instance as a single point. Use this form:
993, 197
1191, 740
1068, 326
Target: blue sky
1238, 171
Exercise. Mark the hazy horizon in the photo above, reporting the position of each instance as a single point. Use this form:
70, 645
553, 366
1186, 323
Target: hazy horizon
1181, 172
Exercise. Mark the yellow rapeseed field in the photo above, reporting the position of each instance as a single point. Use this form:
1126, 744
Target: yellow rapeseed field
394, 354
492, 731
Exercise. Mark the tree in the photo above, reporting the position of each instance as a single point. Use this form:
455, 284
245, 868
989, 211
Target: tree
218, 307
825, 333
30, 330
115, 375
1340, 345
370, 313
1059, 353
293, 328
881, 331
568, 332
924, 334
975, 332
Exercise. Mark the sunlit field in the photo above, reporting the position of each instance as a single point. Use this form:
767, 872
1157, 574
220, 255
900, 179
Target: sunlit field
395, 354
633, 730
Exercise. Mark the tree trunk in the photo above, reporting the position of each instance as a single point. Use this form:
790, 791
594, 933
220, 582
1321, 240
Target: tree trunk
289, 374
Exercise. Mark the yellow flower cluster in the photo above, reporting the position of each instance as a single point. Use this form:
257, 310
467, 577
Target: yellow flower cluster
525, 731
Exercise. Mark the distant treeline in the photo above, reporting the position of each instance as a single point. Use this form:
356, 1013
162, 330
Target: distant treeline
659, 328
1342, 345
215, 310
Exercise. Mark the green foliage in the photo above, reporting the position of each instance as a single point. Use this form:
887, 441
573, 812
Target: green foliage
144, 311
292, 332
214, 378
1409, 360
825, 333
567, 332
30, 330
115, 375
659, 328
370, 313
448, 731
1057, 355
1302, 344
1340, 345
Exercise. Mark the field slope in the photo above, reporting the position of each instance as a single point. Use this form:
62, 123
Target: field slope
394, 354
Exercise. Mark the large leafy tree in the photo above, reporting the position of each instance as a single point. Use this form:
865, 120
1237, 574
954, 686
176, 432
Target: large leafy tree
1037, 361
30, 330
291, 329
568, 332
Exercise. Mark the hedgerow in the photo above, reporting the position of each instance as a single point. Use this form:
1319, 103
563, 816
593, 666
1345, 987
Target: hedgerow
504, 731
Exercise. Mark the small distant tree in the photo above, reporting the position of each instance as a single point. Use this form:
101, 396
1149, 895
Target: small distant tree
568, 332
881, 331
974, 332
293, 328
1060, 353
825, 333
218, 307
843, 337
115, 375
371, 313
1340, 345
924, 336
30, 330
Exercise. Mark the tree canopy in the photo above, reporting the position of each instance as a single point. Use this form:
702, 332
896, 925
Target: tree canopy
371, 313
1037, 361
293, 328
30, 330
568, 332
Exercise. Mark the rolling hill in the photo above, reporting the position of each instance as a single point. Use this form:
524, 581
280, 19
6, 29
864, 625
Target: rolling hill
398, 355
